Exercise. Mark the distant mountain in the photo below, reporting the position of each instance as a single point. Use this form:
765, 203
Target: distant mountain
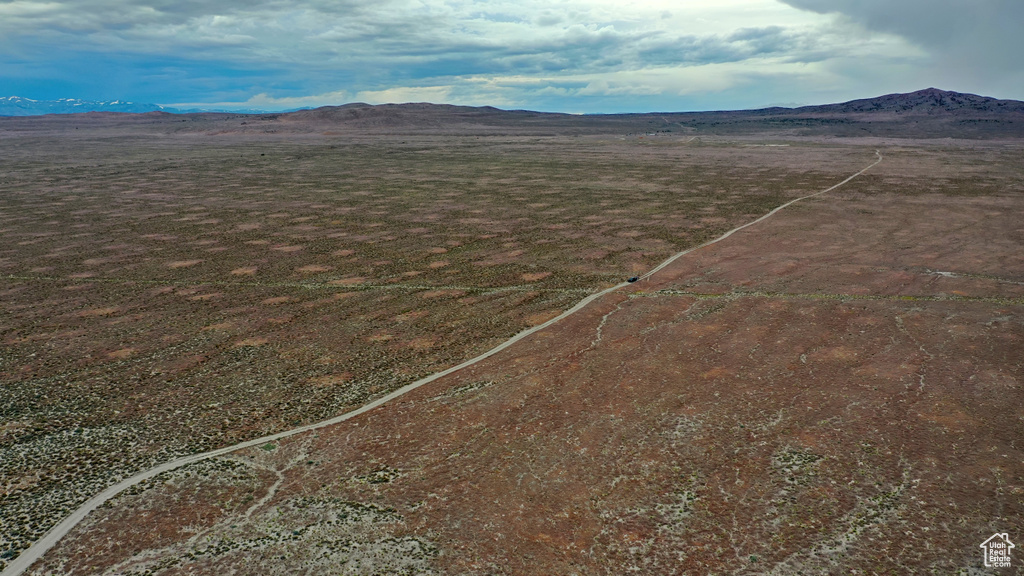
227, 110
416, 114
18, 106
927, 101
929, 113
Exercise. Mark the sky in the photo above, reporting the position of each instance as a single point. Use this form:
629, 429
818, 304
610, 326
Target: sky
578, 56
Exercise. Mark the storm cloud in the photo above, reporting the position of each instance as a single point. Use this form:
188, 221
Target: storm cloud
976, 39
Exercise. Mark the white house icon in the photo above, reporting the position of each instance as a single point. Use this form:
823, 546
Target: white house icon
997, 550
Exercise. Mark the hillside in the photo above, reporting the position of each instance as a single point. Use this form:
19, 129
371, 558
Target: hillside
929, 113
927, 101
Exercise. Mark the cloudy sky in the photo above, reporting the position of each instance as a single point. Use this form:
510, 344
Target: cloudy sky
553, 55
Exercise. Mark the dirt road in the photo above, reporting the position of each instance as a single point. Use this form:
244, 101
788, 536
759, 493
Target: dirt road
51, 538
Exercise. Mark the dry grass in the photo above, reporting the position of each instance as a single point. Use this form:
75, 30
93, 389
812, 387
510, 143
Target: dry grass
164, 297
194, 294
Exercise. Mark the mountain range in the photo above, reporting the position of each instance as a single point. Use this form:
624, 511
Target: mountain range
928, 101
18, 106
929, 113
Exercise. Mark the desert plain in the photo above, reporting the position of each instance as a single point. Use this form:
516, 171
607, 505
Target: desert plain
834, 390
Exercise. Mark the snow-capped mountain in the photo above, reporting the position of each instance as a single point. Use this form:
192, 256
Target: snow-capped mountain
18, 106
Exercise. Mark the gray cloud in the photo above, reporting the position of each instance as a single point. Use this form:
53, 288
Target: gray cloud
979, 35
408, 39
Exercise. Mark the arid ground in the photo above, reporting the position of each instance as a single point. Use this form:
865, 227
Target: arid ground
835, 390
